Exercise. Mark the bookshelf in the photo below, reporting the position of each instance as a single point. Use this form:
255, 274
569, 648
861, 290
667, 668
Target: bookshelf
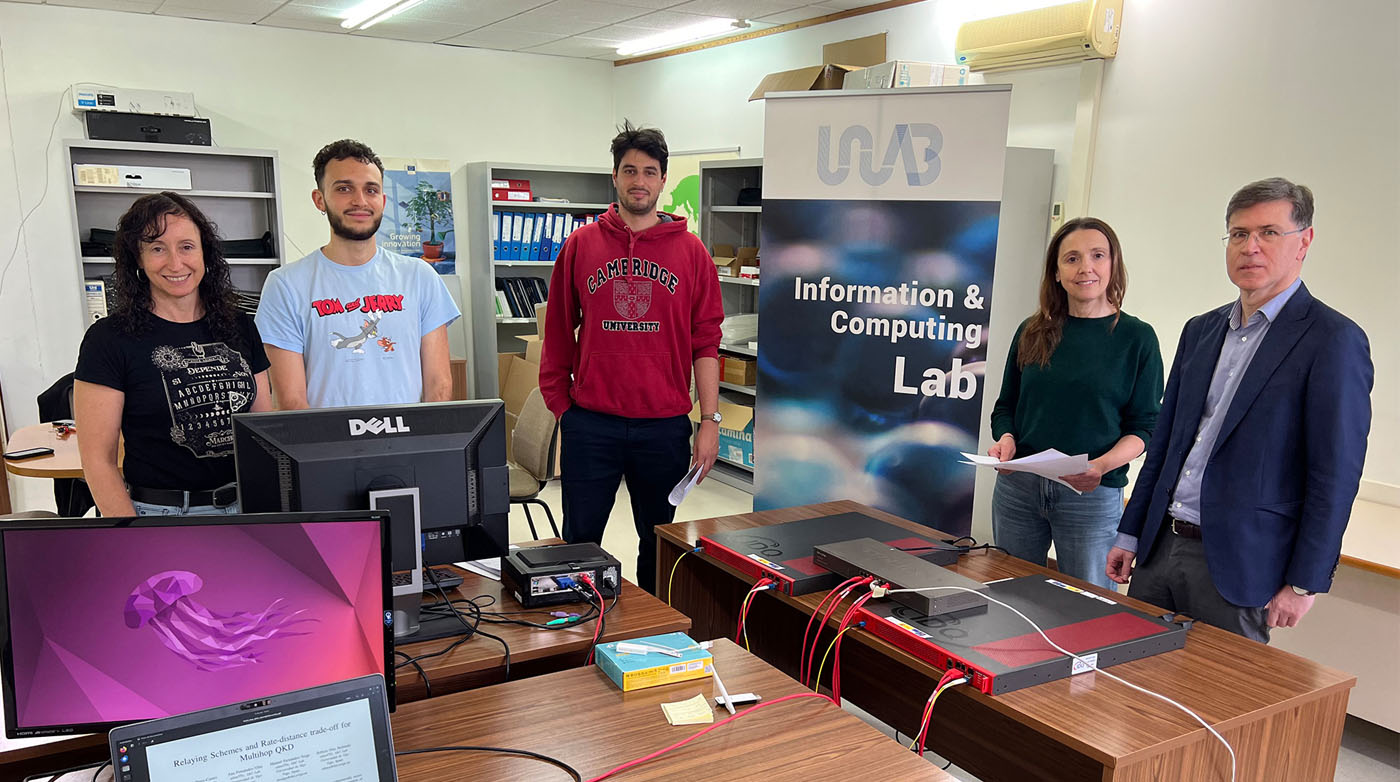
724, 221
238, 189
589, 191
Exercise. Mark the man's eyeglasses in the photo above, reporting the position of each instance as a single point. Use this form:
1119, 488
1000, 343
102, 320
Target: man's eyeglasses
1240, 237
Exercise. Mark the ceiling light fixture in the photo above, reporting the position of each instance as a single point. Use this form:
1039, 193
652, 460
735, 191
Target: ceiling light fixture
683, 35
372, 12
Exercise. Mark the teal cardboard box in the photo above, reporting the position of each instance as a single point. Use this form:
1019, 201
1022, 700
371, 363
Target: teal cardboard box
633, 671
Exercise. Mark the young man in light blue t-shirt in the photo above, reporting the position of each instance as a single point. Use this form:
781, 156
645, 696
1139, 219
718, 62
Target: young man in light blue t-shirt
353, 324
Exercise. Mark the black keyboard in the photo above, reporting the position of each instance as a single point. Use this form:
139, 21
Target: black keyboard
444, 578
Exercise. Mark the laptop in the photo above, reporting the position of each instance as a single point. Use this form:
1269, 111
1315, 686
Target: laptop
334, 731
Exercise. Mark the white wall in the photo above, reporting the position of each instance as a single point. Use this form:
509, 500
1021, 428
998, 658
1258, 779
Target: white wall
1203, 97
262, 87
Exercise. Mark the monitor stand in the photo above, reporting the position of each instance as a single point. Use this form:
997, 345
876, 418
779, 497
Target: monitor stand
405, 553
406, 616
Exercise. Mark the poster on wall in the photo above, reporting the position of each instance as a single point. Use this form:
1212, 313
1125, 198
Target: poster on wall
880, 218
681, 195
418, 211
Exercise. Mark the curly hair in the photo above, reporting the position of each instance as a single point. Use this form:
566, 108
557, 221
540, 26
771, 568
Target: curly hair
648, 141
346, 148
1042, 333
145, 221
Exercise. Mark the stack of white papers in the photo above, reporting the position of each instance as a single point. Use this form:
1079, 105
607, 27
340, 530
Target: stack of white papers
1047, 464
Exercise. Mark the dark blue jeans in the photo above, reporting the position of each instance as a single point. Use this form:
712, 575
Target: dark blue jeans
598, 451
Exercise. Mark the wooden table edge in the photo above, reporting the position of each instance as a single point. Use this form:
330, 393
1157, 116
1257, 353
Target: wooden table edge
1223, 727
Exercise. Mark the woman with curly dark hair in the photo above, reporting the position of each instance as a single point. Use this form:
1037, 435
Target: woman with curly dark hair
167, 369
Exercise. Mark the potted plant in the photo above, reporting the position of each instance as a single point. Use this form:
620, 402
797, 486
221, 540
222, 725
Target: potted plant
429, 206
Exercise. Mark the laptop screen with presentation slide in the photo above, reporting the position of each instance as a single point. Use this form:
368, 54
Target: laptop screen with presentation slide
333, 732
109, 621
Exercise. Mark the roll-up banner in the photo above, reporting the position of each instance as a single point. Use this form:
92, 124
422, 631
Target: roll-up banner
878, 247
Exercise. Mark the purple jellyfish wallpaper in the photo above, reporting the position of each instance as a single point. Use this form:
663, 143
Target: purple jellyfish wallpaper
171, 619
210, 641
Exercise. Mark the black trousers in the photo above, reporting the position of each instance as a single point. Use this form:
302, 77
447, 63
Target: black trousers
1176, 577
598, 451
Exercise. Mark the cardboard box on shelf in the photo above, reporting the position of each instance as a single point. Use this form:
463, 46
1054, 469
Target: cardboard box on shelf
729, 259
735, 431
742, 371
839, 58
904, 73
726, 262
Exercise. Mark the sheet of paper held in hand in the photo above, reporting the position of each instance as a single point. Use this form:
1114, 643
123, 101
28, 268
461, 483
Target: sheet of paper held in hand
683, 488
695, 711
1047, 464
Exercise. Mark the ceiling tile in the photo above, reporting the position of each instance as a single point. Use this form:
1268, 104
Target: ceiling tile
340, 6
738, 9
473, 13
494, 38
845, 5
571, 17
305, 18
655, 5
227, 14
666, 20
424, 30
139, 6
796, 15
578, 46
240, 8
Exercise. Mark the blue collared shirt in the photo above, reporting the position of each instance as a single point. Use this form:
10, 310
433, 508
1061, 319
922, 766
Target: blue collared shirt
1242, 341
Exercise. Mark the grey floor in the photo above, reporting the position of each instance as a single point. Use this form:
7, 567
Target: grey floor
1370, 753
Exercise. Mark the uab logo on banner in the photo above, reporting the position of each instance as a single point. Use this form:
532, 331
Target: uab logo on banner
920, 169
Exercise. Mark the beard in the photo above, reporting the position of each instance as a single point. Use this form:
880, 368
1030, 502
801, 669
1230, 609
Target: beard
641, 209
339, 228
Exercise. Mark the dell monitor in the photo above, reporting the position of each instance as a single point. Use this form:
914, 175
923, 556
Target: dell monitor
173, 614
451, 457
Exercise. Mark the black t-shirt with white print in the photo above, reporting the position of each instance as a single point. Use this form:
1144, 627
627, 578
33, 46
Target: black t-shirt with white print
181, 386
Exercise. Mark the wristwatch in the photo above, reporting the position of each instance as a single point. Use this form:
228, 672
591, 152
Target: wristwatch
1302, 592
715, 416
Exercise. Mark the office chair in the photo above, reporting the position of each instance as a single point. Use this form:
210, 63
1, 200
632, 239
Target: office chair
533, 445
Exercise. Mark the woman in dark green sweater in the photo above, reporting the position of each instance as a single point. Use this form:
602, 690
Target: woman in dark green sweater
1082, 377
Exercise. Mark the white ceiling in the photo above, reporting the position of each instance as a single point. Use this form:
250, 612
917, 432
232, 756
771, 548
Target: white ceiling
569, 28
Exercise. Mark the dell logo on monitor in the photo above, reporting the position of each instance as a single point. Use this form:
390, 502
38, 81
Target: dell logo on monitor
377, 426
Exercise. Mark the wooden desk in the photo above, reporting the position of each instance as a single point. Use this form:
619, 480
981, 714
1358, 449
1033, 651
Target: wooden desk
62, 463
481, 661
1283, 714
581, 718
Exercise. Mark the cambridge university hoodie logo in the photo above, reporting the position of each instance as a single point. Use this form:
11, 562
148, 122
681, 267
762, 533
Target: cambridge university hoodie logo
631, 296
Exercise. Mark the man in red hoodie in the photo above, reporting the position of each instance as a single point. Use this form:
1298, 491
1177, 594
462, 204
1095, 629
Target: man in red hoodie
644, 297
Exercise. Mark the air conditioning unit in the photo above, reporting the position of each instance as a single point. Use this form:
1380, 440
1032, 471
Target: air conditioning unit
1046, 36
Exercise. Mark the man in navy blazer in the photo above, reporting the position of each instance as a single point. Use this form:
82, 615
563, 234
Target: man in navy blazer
1237, 515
